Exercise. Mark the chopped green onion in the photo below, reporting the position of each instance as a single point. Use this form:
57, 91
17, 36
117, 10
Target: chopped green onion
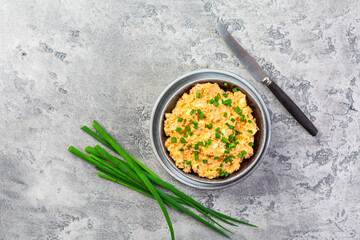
180, 119
211, 101
226, 151
232, 119
232, 145
195, 127
225, 84
243, 152
231, 138
181, 150
195, 123
217, 157
250, 131
173, 140
217, 135
187, 127
204, 161
251, 144
185, 134
241, 155
237, 109
216, 98
216, 104
224, 94
198, 111
249, 121
208, 142
225, 114
197, 167
178, 130
201, 143
209, 126
189, 146
242, 119
221, 165
188, 162
201, 116
226, 102
217, 129
235, 89
182, 140
190, 133
196, 152
224, 140
192, 111
230, 126
197, 95
196, 146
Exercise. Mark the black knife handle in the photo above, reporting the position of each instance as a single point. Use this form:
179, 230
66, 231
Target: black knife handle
292, 108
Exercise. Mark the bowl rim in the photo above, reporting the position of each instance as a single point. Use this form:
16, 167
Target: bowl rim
263, 110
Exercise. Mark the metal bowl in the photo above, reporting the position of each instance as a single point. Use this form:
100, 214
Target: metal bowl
167, 101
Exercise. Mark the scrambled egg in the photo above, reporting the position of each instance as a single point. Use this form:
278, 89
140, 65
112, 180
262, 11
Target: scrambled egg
210, 131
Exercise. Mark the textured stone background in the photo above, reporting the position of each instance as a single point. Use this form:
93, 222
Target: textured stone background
65, 63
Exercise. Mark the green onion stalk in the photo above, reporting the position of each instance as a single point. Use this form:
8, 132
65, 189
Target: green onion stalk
131, 173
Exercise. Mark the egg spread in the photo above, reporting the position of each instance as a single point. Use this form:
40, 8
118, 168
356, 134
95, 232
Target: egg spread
210, 131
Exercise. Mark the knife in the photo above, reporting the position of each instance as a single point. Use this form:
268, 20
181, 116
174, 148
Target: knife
259, 74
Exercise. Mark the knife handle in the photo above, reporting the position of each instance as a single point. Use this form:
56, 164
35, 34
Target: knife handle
292, 108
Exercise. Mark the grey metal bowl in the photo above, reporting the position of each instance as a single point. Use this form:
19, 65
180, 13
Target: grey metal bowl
167, 101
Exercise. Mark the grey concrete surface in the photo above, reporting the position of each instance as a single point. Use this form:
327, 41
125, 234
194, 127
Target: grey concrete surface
65, 63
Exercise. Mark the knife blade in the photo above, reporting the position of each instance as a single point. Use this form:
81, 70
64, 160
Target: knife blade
259, 74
